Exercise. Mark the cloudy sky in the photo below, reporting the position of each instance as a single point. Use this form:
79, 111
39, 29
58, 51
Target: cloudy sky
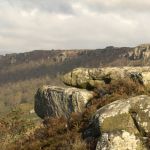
66, 24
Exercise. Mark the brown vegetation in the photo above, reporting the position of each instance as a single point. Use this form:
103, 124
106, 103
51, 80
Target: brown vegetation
67, 134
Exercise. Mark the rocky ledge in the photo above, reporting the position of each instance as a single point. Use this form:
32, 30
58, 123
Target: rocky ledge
93, 77
140, 52
120, 125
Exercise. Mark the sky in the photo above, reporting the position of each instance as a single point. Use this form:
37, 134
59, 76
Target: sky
72, 24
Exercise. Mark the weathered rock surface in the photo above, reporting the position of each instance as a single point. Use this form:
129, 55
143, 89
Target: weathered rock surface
87, 78
140, 52
123, 124
122, 140
60, 101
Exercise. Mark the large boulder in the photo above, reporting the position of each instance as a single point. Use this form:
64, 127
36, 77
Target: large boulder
123, 124
60, 101
92, 77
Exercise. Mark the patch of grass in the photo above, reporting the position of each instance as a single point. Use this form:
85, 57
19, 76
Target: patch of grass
15, 125
67, 134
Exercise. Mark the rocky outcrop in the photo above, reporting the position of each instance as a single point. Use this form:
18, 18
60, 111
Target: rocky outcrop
57, 101
123, 124
140, 52
88, 78
60, 101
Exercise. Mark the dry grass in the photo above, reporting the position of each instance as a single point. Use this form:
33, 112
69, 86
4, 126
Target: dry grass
66, 134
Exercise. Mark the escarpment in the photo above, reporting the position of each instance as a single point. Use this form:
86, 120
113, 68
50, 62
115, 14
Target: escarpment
140, 52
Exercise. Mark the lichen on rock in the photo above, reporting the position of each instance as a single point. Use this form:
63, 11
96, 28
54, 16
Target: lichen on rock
60, 101
92, 77
121, 125
128, 117
120, 140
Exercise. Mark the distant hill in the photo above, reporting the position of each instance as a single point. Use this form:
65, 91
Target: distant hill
35, 64
21, 74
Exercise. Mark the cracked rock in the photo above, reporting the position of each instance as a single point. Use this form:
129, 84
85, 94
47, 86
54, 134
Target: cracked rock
123, 124
53, 101
87, 78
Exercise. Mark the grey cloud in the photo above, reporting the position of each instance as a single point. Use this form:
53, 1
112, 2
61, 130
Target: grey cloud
117, 6
96, 24
120, 7
53, 6
99, 6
